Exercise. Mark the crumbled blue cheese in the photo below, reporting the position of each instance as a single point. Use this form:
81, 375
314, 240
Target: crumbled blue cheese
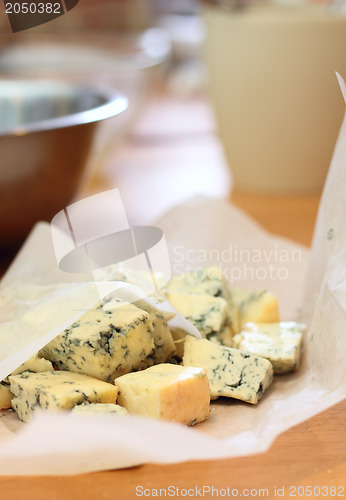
207, 281
231, 373
281, 343
99, 408
56, 390
33, 364
170, 392
104, 343
259, 306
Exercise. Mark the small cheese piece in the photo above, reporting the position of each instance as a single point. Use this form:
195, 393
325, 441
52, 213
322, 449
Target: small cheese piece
98, 408
56, 390
257, 306
5, 396
281, 343
104, 343
209, 314
223, 337
33, 364
178, 335
164, 346
208, 281
170, 392
231, 373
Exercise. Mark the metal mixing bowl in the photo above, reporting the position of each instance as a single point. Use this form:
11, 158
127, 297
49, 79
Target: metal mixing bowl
46, 131
132, 63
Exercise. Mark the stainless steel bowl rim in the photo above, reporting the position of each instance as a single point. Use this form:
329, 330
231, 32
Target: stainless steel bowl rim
116, 104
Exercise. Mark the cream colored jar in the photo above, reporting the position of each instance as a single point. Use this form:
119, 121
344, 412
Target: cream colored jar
273, 85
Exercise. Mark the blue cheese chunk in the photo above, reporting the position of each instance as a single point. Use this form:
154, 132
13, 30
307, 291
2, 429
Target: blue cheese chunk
257, 306
281, 343
55, 391
170, 392
33, 364
209, 314
206, 281
99, 408
104, 344
231, 373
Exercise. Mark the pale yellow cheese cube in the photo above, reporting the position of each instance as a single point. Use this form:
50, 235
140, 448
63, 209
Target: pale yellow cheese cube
104, 343
170, 392
205, 281
209, 314
281, 343
57, 390
231, 373
33, 364
258, 306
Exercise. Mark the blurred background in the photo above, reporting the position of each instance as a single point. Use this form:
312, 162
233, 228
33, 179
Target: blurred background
222, 95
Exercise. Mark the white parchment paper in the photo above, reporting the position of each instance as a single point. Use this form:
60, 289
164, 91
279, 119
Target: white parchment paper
200, 232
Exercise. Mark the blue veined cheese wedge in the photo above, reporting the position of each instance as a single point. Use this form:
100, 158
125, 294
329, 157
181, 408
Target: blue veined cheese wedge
104, 344
164, 346
170, 392
33, 364
231, 373
99, 408
209, 314
281, 343
56, 390
259, 306
208, 281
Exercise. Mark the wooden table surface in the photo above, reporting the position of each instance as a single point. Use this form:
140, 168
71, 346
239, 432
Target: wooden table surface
310, 457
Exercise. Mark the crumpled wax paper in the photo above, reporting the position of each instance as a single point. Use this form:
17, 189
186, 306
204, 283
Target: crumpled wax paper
200, 232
